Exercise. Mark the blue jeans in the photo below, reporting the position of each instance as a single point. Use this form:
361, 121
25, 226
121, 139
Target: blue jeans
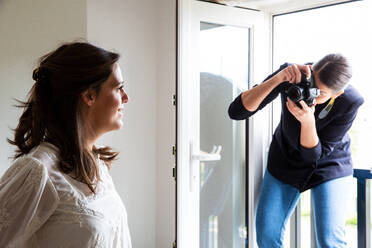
278, 200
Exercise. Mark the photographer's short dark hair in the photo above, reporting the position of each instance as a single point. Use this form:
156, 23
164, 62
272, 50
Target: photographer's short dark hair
334, 71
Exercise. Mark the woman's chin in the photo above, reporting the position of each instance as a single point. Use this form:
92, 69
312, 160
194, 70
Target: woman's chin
119, 125
114, 125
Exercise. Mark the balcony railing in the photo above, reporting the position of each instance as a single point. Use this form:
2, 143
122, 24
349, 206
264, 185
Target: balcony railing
363, 207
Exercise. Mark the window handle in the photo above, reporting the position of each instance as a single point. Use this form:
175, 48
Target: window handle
195, 158
214, 155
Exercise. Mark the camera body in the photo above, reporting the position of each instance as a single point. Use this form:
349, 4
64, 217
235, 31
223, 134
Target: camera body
304, 90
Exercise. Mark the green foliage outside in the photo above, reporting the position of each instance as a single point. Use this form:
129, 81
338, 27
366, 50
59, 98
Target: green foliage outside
351, 222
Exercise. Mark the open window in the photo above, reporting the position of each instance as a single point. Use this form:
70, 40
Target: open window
223, 50
320, 31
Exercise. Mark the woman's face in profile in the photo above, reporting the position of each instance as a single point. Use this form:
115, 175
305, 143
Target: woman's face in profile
325, 92
107, 109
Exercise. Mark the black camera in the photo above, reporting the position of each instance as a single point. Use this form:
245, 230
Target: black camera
304, 90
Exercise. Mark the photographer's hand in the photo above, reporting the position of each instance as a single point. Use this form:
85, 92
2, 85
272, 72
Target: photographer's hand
308, 137
292, 73
304, 115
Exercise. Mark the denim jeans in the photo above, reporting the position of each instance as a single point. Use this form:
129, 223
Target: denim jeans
278, 200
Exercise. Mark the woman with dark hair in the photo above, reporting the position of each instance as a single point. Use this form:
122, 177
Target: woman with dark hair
310, 149
58, 192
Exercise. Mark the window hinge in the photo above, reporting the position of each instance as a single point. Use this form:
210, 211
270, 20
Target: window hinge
174, 173
174, 150
174, 100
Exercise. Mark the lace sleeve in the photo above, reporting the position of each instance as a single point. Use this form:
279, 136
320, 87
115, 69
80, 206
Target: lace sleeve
27, 199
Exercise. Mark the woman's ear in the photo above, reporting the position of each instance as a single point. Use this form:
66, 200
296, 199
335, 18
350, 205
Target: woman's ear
89, 97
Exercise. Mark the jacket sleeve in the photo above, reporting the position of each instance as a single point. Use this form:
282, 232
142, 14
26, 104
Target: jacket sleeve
332, 135
27, 199
237, 111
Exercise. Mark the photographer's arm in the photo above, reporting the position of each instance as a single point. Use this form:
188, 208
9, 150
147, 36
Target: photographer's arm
305, 115
310, 145
252, 98
308, 136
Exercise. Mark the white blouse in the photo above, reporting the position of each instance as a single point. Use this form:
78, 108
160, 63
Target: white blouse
42, 207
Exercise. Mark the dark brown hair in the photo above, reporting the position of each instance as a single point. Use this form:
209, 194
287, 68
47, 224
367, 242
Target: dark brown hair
52, 112
334, 71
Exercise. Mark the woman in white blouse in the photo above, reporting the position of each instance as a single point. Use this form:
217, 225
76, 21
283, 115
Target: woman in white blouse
58, 192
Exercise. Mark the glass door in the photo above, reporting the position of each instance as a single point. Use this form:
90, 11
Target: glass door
215, 190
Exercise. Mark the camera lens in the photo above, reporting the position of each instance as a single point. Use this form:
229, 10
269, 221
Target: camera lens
295, 93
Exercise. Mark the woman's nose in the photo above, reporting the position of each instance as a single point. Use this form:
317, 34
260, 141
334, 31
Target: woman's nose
125, 98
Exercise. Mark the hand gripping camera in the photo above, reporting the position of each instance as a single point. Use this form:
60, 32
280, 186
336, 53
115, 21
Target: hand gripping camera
304, 90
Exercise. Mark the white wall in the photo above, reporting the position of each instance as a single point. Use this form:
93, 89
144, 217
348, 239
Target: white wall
129, 27
29, 29
143, 32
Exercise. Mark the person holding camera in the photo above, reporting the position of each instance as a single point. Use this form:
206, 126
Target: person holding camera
58, 192
310, 148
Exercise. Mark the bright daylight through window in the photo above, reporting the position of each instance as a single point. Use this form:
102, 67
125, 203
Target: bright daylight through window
306, 37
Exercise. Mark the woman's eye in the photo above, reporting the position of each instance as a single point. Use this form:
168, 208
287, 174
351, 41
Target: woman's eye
121, 87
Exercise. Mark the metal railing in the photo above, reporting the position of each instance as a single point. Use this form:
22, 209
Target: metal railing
363, 207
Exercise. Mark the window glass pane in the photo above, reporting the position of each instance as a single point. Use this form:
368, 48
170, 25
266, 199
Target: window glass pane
309, 35
305, 219
223, 76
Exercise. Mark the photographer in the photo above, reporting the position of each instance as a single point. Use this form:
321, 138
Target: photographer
310, 148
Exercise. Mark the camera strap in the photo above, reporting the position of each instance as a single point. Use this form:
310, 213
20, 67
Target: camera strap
327, 109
